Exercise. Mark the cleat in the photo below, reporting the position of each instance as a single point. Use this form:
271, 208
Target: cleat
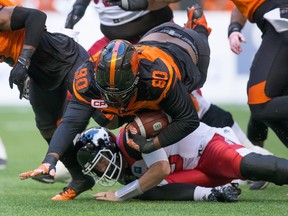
74, 188
47, 179
3, 164
196, 17
226, 193
258, 185
66, 194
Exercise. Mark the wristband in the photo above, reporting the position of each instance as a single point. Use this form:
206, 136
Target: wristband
128, 191
234, 27
50, 159
25, 57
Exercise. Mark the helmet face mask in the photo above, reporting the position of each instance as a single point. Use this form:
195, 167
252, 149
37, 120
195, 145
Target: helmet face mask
117, 73
99, 156
119, 98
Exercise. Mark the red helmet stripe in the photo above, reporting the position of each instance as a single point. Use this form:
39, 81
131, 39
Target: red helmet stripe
113, 63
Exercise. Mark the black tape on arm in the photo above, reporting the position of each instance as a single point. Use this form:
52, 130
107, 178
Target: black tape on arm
32, 20
234, 27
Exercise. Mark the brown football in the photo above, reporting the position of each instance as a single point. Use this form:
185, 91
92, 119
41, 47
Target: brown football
149, 124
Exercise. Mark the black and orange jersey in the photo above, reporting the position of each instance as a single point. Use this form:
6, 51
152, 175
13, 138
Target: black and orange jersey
11, 41
249, 7
160, 86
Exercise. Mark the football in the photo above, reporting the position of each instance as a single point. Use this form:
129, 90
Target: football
149, 124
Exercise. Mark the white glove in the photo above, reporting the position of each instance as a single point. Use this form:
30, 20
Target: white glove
71, 33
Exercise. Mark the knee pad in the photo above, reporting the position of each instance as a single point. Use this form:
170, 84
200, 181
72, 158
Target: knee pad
264, 167
217, 117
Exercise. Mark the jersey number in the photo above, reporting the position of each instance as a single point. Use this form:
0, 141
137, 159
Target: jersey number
81, 79
176, 161
159, 79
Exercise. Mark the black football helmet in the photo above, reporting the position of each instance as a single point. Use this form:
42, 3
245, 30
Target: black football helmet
117, 73
99, 156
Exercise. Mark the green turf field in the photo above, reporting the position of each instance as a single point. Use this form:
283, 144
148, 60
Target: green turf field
26, 149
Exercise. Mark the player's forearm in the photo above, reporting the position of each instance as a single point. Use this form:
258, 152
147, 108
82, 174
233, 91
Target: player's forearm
237, 16
155, 174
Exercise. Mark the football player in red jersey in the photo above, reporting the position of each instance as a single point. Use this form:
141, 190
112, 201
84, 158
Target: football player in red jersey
50, 61
98, 148
207, 157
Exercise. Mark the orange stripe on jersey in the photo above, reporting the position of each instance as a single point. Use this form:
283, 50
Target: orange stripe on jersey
78, 96
109, 116
248, 7
195, 102
7, 3
152, 53
256, 94
113, 63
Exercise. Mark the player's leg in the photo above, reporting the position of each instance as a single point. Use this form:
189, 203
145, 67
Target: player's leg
228, 160
3, 155
190, 192
267, 86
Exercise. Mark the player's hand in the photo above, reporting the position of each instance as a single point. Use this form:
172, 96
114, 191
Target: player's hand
43, 169
235, 40
107, 196
48, 166
19, 73
130, 5
74, 16
142, 144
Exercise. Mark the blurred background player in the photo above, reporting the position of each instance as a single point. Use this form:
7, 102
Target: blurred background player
3, 156
43, 66
267, 86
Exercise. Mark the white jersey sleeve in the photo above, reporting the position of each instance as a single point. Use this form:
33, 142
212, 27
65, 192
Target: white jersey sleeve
114, 15
202, 104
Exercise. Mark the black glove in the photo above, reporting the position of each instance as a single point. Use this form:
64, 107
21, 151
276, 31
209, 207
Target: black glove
130, 5
18, 74
142, 144
75, 15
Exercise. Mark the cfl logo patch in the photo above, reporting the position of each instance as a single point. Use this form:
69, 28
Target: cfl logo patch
98, 103
157, 126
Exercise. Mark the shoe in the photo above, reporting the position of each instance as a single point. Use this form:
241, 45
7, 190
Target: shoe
226, 193
74, 188
47, 179
258, 185
3, 164
196, 17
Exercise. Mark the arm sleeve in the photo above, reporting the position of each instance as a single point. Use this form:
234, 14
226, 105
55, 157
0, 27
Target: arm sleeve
154, 157
75, 121
170, 192
32, 20
180, 107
